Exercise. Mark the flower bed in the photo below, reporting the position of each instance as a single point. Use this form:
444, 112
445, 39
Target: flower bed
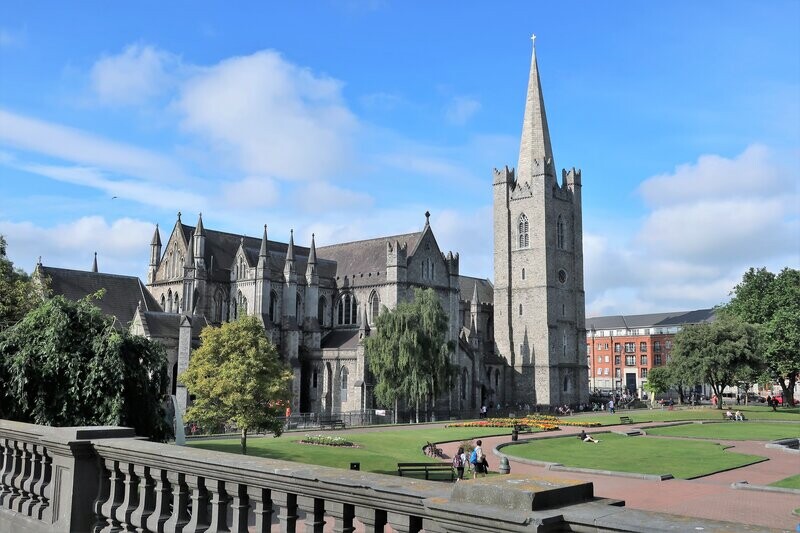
326, 440
542, 422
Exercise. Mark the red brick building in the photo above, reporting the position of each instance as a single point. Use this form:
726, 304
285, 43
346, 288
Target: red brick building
621, 349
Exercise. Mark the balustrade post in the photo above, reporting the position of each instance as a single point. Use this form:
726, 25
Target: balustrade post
108, 509
21, 465
343, 514
240, 504
374, 520
180, 503
199, 497
147, 498
287, 514
219, 506
30, 481
315, 513
261, 500
161, 511
402, 523
130, 500
7, 450
43, 487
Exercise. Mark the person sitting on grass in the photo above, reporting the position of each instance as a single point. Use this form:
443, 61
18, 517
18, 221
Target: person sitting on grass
586, 437
728, 415
738, 416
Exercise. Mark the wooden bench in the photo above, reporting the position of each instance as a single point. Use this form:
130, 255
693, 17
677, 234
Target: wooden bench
432, 451
333, 423
625, 420
732, 418
440, 469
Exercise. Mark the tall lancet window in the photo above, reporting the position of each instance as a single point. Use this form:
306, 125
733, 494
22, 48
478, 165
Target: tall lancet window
375, 307
343, 384
560, 233
346, 310
523, 231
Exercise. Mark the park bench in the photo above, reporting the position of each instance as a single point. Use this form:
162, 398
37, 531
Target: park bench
732, 418
438, 469
333, 423
625, 420
432, 450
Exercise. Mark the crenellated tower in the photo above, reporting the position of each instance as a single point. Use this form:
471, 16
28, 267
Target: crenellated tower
538, 293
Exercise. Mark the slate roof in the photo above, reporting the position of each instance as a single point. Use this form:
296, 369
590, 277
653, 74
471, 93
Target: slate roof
343, 339
167, 325
678, 318
466, 286
364, 257
123, 293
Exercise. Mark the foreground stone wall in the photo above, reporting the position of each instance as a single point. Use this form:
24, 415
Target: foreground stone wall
104, 479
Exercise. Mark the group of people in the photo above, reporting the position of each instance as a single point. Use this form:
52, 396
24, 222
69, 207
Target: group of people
476, 461
734, 416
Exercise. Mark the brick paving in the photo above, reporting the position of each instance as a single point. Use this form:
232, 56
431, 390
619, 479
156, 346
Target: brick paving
710, 497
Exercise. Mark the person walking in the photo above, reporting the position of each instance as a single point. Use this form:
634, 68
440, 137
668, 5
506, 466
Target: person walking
611, 406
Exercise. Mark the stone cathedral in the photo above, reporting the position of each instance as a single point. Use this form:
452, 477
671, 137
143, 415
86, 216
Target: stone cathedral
518, 341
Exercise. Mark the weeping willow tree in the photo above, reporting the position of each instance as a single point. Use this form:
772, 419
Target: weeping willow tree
408, 353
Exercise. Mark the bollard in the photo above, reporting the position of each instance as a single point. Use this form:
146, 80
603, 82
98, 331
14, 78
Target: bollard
505, 468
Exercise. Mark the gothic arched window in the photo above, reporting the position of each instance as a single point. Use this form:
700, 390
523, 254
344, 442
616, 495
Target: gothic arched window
374, 306
163, 303
242, 304
322, 308
177, 303
343, 383
523, 231
560, 233
346, 310
298, 307
566, 383
273, 307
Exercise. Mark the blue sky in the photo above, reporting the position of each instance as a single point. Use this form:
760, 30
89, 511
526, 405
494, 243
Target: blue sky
351, 119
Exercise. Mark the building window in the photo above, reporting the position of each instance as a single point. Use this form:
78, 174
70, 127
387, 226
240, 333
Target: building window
668, 345
644, 372
566, 383
643, 360
523, 231
617, 373
630, 360
374, 306
520, 309
322, 307
464, 384
607, 359
273, 307
616, 360
343, 382
564, 342
657, 359
346, 310
560, 233
599, 371
523, 273
314, 378
643, 347
605, 371
617, 347
630, 347
656, 346
599, 346
163, 303
599, 358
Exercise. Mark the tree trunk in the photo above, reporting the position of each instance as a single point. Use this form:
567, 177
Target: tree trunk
718, 393
396, 403
788, 390
416, 416
243, 441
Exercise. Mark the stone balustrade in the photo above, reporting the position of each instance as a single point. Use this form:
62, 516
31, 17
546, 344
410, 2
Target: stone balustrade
105, 480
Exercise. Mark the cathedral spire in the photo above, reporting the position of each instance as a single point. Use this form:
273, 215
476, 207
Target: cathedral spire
475, 293
312, 255
290, 250
156, 238
535, 153
263, 252
94, 263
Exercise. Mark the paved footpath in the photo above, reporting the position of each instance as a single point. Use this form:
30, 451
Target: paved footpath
709, 497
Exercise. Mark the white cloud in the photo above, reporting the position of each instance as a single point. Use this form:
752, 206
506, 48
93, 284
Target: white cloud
12, 38
134, 76
122, 246
69, 144
142, 192
460, 109
708, 222
252, 191
272, 117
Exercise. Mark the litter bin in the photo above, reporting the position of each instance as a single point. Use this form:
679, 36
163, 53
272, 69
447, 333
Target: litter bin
355, 466
515, 434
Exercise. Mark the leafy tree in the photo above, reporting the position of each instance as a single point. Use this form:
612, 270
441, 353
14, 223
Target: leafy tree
716, 352
66, 365
659, 381
18, 293
237, 376
773, 302
408, 353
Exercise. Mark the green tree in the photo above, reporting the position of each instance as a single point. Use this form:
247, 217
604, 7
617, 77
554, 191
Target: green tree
236, 376
773, 302
66, 365
659, 381
716, 352
18, 293
408, 353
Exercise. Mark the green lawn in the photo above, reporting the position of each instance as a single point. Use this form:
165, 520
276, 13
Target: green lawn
792, 482
682, 459
380, 451
731, 431
680, 414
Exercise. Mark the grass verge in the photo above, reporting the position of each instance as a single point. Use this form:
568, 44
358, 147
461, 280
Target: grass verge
682, 459
792, 482
730, 431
